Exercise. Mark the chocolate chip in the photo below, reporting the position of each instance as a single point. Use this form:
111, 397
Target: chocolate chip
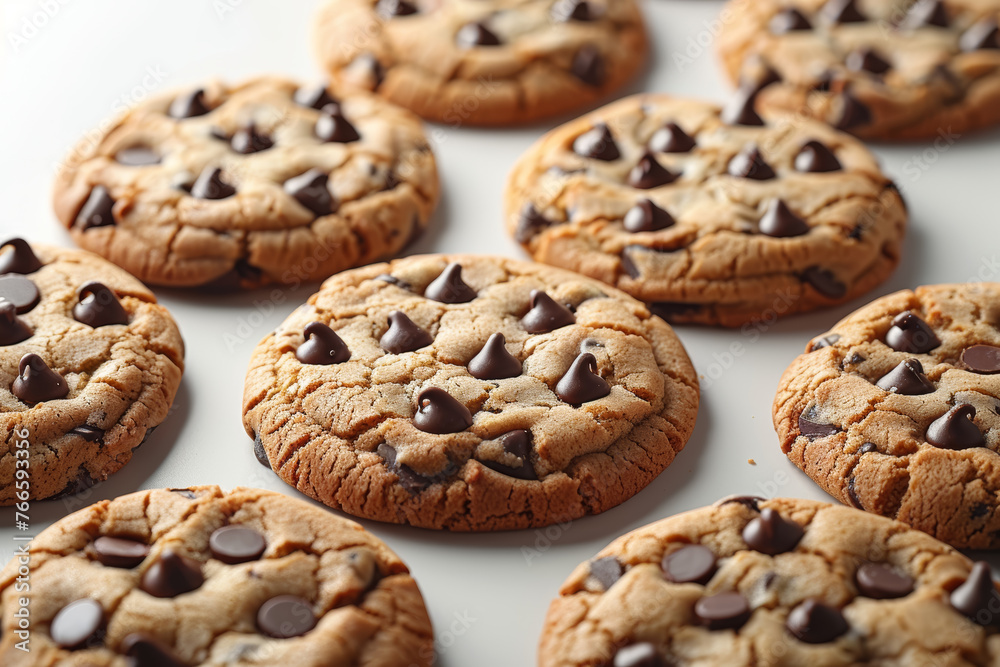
393, 280
588, 66
606, 571
36, 382
317, 97
186, 493
286, 616
628, 264
812, 429
909, 333
723, 611
749, 163
977, 598
649, 173
750, 502
408, 479
581, 383
77, 623
867, 60
642, 654
98, 306
439, 412
597, 143
842, 11
926, 13
825, 341
907, 378
852, 494
530, 222
98, 211
494, 362
449, 286
740, 110
120, 552
691, 564
19, 291
311, 189
824, 282
982, 359
248, 140
816, 623
475, 34
816, 157
389, 8
12, 328
516, 443
771, 533
955, 429
573, 10
20, 258
403, 335
189, 106
881, 582
647, 217
137, 156
671, 139
211, 186
546, 314
780, 222
333, 127
260, 453
868, 448
789, 20
322, 346
146, 651
984, 34
853, 113
854, 359
236, 544
88, 433
171, 575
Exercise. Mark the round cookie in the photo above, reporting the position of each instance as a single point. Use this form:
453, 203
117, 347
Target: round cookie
896, 410
715, 216
89, 365
780, 582
469, 393
185, 577
482, 62
880, 69
238, 187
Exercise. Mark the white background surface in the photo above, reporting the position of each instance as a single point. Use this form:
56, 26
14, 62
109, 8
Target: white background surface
487, 594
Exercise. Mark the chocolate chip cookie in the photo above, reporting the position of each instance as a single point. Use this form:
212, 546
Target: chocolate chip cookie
185, 577
482, 62
896, 410
781, 582
717, 216
469, 393
89, 365
237, 187
880, 69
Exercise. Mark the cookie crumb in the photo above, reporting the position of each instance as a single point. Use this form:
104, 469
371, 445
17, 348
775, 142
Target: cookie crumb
751, 462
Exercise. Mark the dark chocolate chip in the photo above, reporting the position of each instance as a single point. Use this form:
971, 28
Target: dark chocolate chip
171, 575
909, 333
371, 65
824, 282
647, 217
978, 511
606, 571
955, 429
854, 359
842, 11
853, 113
449, 286
982, 359
322, 346
517, 443
881, 582
19, 258
12, 328
926, 13
333, 127
36, 382
145, 651
248, 140
390, 8
19, 291
816, 623
494, 362
189, 106
691, 564
749, 163
643, 654
236, 544
98, 211
260, 453
771, 533
393, 280
439, 412
573, 10
120, 552
984, 34
750, 502
812, 429
581, 383
186, 493
530, 222
852, 494
671, 139
789, 20
588, 66
408, 479
286, 616
476, 34
907, 378
77, 623
311, 189
98, 306
723, 611
740, 109
867, 60
824, 82
317, 97
780, 222
88, 433
628, 264
977, 598
825, 341
816, 157
210, 185
546, 314
597, 143
649, 173
868, 448
403, 335
137, 156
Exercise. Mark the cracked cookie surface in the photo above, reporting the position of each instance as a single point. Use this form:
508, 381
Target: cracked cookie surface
482, 62
514, 394
186, 577
240, 186
715, 216
89, 364
896, 411
781, 583
881, 69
